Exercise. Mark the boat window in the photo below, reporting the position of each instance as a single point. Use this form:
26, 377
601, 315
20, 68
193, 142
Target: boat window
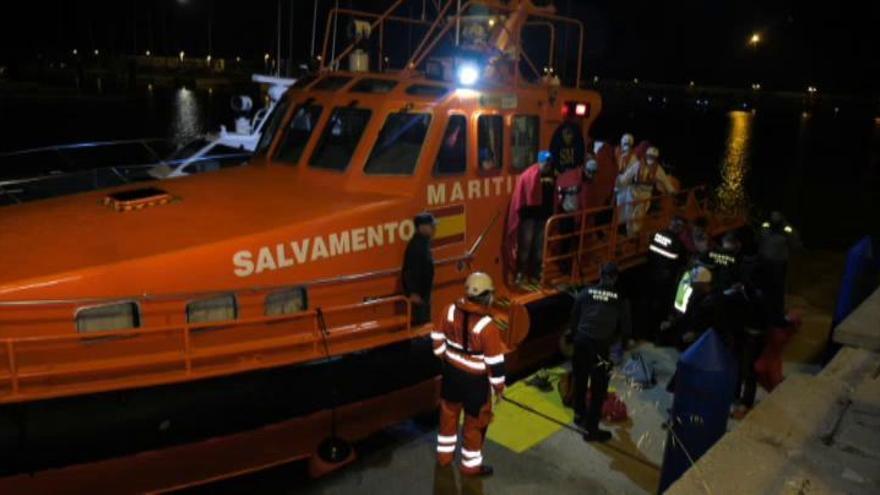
397, 149
489, 135
427, 90
331, 83
298, 133
272, 125
452, 157
118, 316
286, 301
218, 308
341, 135
525, 141
370, 85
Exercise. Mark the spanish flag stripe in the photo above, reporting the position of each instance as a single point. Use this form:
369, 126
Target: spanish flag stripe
451, 225
448, 210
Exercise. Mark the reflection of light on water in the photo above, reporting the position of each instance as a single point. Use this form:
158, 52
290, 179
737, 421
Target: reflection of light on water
185, 121
735, 165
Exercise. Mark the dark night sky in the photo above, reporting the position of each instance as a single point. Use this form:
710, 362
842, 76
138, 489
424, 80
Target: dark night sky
833, 45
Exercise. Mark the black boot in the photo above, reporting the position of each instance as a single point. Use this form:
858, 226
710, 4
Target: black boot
597, 435
485, 470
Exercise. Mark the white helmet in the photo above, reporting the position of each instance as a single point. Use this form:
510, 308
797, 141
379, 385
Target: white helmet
477, 284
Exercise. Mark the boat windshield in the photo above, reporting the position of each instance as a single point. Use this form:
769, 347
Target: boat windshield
298, 132
272, 125
341, 135
400, 141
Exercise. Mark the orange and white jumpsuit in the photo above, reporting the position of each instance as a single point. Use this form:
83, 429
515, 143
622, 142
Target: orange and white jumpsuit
625, 161
642, 178
470, 344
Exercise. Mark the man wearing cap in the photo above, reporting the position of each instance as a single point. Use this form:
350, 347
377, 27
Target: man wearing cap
418, 268
531, 204
600, 317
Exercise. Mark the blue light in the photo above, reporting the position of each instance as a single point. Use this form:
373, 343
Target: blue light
468, 74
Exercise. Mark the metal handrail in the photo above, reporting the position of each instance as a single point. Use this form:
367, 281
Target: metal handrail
670, 204
430, 39
340, 279
186, 353
73, 146
115, 169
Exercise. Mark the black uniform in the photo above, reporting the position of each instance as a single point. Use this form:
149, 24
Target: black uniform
418, 276
776, 241
599, 317
725, 267
749, 344
666, 258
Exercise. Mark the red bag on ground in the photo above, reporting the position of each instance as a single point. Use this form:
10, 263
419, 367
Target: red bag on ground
613, 409
768, 367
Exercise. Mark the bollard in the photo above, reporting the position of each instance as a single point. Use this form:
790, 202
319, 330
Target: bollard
704, 383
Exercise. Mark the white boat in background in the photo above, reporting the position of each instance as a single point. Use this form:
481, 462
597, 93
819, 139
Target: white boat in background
224, 149
58, 170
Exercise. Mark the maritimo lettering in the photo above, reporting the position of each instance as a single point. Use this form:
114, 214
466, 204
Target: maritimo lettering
300, 252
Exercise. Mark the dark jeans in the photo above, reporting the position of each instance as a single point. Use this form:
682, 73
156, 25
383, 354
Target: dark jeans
773, 276
590, 370
658, 303
530, 245
750, 349
421, 313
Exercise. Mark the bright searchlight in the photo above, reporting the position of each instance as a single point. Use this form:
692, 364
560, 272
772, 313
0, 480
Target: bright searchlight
468, 74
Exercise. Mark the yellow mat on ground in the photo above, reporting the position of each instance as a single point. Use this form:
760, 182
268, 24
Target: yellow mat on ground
520, 430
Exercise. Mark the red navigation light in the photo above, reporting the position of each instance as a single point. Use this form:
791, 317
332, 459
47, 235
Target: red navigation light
580, 109
565, 110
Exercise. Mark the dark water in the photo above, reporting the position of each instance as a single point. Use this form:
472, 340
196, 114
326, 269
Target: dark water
821, 166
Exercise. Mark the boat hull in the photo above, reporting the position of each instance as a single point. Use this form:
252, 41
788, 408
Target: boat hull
46, 434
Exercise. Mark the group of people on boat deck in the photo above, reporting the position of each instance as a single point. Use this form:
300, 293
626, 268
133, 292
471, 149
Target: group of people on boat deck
569, 178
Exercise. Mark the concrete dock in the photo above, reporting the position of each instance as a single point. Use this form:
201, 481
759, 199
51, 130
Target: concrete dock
814, 434
401, 459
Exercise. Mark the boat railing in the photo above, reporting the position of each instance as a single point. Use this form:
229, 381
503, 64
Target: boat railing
576, 244
59, 183
62, 365
446, 20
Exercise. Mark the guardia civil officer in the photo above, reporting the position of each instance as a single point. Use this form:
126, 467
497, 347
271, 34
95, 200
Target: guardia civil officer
666, 260
600, 317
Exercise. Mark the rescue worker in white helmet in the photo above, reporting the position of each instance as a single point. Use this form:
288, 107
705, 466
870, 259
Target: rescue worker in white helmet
469, 342
600, 317
641, 179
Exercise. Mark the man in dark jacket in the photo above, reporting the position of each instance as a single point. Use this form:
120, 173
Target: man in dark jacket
666, 260
599, 317
418, 268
